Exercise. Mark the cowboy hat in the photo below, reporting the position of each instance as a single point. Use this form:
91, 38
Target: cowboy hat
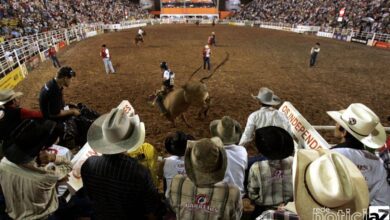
362, 123
227, 129
28, 139
115, 133
274, 143
330, 182
176, 143
7, 95
205, 161
206, 46
267, 96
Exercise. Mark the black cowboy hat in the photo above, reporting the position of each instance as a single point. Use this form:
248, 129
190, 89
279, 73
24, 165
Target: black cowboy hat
176, 143
28, 139
275, 143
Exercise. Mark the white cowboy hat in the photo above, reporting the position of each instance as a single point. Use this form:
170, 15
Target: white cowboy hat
115, 133
7, 95
227, 129
206, 46
326, 183
205, 161
362, 123
267, 96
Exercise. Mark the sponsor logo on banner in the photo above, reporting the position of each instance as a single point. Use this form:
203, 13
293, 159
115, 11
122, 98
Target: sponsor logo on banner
357, 40
308, 137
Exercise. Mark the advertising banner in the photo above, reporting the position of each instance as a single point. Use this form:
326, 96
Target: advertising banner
358, 40
308, 137
11, 79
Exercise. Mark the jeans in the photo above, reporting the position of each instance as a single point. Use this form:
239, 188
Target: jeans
55, 61
206, 61
108, 65
313, 59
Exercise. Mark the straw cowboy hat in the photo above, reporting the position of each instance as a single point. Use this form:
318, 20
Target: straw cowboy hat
206, 46
330, 182
274, 143
362, 123
267, 96
28, 139
7, 95
227, 129
205, 161
115, 133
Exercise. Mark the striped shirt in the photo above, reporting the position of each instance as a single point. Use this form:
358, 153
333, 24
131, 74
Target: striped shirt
119, 187
221, 201
270, 182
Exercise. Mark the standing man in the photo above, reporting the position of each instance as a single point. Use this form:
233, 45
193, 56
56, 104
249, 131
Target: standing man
51, 98
105, 54
211, 40
359, 127
118, 185
313, 54
53, 56
267, 115
206, 57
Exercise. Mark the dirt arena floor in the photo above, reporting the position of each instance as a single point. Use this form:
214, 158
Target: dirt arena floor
346, 73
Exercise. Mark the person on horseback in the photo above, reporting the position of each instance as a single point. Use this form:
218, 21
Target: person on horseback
167, 86
140, 36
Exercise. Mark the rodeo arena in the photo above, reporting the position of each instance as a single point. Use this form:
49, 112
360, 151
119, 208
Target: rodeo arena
195, 109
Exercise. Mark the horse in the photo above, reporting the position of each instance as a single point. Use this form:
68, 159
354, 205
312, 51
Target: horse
138, 38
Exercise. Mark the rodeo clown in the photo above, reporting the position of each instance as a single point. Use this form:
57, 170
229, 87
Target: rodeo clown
167, 87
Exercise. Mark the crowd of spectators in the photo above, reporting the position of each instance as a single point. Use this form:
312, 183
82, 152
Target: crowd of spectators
26, 17
364, 15
203, 178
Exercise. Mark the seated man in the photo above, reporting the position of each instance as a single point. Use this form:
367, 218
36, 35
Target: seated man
11, 114
270, 181
29, 186
203, 194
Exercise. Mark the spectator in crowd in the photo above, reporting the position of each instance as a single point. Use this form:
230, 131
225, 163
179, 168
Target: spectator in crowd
342, 187
119, 186
9, 59
266, 116
229, 131
53, 56
314, 53
51, 98
28, 176
105, 54
270, 181
206, 57
204, 194
358, 126
176, 145
11, 114
146, 155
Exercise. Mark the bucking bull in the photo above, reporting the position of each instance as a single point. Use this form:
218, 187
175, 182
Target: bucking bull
193, 93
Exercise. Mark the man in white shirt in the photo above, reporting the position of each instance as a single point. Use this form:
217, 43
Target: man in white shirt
167, 87
266, 116
359, 127
313, 54
175, 145
105, 54
229, 131
206, 57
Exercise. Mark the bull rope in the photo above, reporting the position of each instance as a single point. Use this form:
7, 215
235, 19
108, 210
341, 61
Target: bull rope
193, 74
216, 68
